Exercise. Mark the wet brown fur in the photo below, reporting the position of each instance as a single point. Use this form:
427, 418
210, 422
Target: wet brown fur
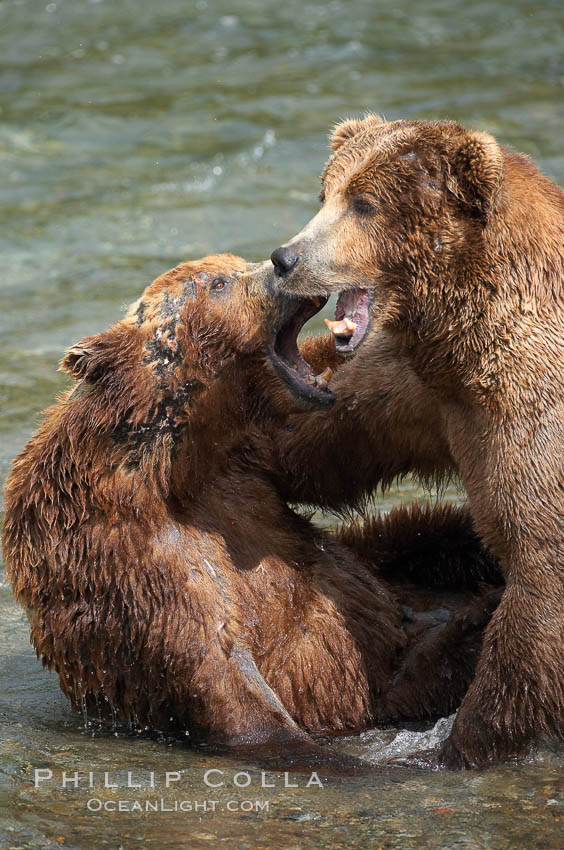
461, 245
164, 575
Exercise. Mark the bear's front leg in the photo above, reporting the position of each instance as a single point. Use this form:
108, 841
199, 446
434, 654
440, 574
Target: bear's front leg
518, 690
372, 435
517, 501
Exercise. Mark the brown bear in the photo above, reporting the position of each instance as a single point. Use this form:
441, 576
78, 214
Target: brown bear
166, 578
448, 254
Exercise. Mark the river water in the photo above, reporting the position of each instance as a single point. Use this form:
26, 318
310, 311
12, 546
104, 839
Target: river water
135, 135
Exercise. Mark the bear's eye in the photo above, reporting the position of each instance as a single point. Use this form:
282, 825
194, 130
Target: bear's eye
321, 196
218, 284
363, 205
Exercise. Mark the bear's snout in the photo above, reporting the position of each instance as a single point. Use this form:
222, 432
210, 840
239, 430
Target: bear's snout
284, 260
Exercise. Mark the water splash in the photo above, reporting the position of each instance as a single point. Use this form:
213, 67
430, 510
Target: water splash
84, 711
379, 745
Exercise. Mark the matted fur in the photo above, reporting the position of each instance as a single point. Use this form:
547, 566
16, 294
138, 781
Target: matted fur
165, 576
461, 246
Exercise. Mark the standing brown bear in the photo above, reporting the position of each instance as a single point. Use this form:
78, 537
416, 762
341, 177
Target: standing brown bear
448, 254
165, 576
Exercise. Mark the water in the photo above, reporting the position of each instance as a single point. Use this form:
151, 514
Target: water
134, 135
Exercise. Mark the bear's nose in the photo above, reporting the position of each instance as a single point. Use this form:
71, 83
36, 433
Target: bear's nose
283, 260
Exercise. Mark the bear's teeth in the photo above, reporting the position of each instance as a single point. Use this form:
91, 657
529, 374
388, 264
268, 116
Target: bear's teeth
320, 380
343, 328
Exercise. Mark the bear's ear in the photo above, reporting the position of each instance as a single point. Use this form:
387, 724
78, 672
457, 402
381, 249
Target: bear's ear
91, 358
477, 167
350, 127
344, 131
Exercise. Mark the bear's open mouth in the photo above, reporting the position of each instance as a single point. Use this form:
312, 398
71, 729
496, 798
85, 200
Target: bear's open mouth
352, 319
287, 360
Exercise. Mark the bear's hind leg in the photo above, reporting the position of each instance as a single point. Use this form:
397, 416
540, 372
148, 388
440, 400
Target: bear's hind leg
440, 661
233, 707
434, 546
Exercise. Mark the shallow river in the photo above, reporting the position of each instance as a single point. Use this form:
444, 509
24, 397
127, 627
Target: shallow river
134, 135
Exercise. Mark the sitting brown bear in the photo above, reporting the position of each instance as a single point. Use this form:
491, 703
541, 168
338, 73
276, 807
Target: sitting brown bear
449, 254
166, 577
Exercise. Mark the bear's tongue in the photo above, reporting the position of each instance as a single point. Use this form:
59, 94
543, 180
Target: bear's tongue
351, 319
